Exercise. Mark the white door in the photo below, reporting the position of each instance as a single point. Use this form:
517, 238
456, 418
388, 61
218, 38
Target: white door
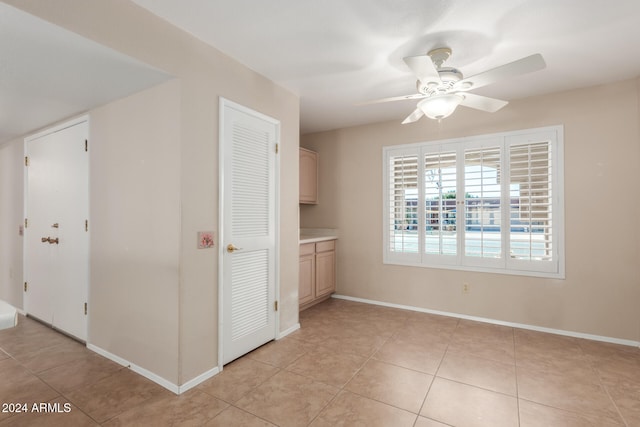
249, 228
56, 236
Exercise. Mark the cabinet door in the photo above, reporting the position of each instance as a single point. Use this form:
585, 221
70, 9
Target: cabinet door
325, 273
306, 284
308, 176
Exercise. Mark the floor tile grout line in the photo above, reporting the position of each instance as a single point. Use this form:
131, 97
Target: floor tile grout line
447, 350
243, 410
615, 405
371, 357
570, 411
61, 394
82, 410
435, 374
477, 387
600, 383
515, 369
342, 388
252, 389
280, 369
598, 375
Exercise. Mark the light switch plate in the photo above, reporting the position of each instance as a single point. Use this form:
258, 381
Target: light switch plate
205, 239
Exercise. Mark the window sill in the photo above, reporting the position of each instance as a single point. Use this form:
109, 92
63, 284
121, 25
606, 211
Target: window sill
529, 273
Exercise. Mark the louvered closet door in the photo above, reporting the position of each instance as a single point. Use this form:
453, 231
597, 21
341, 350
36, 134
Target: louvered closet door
249, 229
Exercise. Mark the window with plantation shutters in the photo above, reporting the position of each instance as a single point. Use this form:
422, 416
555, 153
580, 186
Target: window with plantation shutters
403, 203
487, 203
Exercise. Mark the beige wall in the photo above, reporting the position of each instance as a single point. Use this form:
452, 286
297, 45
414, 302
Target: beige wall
204, 74
135, 228
601, 293
11, 218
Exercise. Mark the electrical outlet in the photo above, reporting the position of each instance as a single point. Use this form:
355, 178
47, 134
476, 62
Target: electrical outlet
466, 288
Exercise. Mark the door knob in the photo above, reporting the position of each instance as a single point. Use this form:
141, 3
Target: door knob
231, 248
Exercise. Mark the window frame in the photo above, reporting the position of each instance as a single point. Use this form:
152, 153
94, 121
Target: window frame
505, 264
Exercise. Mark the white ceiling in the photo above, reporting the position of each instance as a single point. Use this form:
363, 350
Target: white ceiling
336, 53
48, 74
332, 53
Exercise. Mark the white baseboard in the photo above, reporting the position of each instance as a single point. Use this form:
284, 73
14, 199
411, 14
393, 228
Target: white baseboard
495, 322
137, 369
288, 331
177, 389
199, 379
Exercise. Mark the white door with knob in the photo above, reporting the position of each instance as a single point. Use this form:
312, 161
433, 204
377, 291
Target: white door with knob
248, 150
56, 247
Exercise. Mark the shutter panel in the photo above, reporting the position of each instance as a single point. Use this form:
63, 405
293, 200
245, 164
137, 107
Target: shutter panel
440, 203
530, 210
483, 210
403, 204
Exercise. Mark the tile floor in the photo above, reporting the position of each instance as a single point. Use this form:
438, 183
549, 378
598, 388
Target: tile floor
350, 364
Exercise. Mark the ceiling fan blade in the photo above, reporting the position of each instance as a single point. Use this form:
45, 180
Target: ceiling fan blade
393, 98
483, 103
423, 67
521, 66
415, 116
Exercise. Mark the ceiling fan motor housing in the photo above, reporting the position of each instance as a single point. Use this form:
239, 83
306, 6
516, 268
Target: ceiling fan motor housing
449, 76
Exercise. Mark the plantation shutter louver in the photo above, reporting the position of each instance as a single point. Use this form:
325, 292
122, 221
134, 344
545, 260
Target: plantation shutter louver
440, 203
483, 205
530, 210
403, 203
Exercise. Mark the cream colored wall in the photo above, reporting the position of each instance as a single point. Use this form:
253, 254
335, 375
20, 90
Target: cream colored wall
204, 74
135, 228
11, 218
601, 292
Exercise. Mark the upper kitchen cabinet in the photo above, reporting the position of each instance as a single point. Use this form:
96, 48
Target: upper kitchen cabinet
308, 176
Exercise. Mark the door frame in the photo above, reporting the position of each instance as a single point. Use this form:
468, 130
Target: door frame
222, 104
25, 261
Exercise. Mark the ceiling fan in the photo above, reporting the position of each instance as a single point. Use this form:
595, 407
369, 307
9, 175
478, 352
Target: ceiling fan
441, 89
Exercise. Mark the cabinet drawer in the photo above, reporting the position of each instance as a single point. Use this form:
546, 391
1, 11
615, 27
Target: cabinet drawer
329, 245
307, 249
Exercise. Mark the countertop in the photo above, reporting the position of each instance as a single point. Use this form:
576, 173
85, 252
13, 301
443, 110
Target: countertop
313, 235
312, 239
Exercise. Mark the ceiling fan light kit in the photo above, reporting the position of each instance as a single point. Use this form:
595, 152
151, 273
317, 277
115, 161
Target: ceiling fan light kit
442, 88
438, 107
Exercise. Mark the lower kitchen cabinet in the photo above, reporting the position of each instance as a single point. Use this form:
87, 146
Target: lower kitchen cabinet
307, 283
317, 272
